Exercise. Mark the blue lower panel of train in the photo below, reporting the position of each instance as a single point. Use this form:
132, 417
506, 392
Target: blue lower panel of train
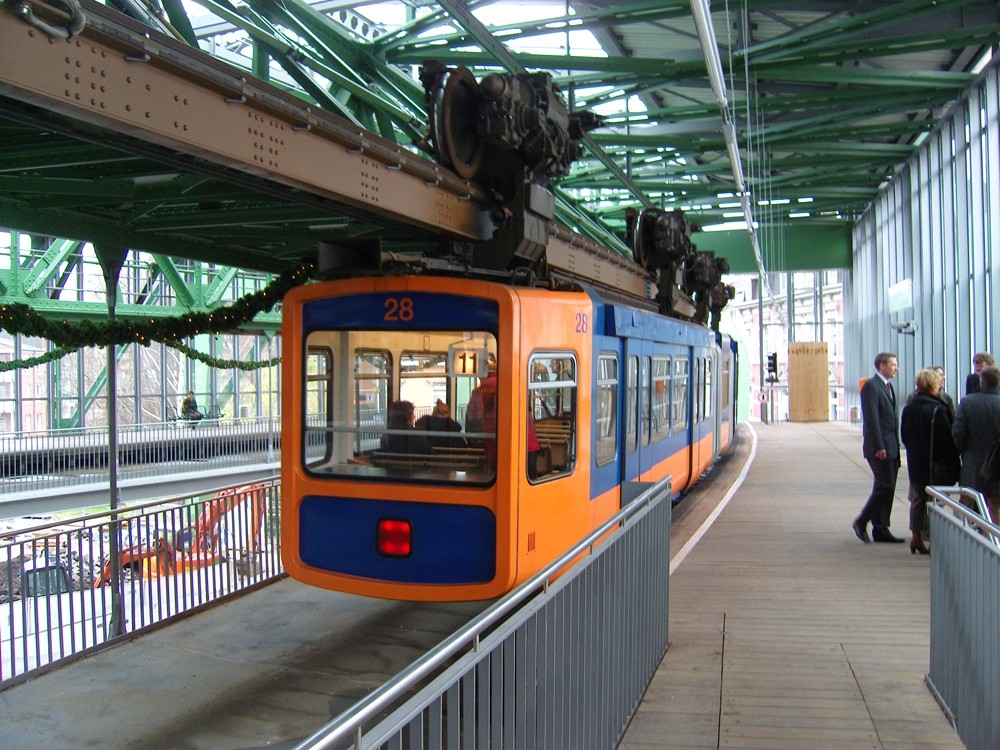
449, 544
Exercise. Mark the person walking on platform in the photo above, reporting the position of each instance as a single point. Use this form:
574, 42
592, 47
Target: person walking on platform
979, 361
931, 456
880, 446
976, 427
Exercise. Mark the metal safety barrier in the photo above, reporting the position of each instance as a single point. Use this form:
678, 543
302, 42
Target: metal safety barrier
63, 595
965, 611
46, 462
561, 662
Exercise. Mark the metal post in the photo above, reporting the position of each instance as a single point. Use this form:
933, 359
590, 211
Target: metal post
111, 260
760, 335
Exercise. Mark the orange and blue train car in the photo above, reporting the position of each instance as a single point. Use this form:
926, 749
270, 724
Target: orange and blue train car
446, 438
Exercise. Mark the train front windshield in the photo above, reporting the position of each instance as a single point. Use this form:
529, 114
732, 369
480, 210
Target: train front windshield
401, 405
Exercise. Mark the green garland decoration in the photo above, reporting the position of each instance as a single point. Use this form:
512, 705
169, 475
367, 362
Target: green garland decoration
223, 364
41, 359
20, 318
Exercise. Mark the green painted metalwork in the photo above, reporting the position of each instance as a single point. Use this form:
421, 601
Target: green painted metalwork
829, 98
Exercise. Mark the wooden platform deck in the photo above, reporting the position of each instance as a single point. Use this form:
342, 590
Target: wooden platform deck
786, 631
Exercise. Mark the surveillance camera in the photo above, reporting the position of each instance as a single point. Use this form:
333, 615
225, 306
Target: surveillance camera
906, 326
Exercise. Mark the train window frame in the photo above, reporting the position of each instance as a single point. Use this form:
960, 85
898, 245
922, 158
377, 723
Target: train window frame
660, 398
437, 394
646, 400
679, 411
727, 364
387, 375
558, 441
606, 410
357, 441
632, 405
698, 392
709, 381
319, 417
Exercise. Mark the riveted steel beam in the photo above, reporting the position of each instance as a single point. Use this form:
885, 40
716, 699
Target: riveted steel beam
118, 77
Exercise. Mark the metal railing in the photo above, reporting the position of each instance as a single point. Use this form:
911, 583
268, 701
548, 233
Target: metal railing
61, 596
34, 463
965, 609
562, 661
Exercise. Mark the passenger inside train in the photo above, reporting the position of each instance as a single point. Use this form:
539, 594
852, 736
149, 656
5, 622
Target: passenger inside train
442, 431
400, 435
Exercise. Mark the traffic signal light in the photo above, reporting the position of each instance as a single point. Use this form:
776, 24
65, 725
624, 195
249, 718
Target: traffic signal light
772, 363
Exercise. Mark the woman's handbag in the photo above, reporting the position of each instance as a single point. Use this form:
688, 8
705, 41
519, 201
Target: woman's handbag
990, 468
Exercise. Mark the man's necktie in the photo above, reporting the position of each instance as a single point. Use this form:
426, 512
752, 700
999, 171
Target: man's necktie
892, 393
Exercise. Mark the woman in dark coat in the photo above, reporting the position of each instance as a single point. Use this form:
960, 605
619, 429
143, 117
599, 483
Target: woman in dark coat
926, 432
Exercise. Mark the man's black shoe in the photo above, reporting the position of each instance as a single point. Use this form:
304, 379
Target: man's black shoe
861, 531
883, 535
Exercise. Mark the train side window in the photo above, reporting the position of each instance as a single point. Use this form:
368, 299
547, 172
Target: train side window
661, 398
318, 402
726, 374
679, 404
709, 367
645, 407
632, 405
606, 414
552, 392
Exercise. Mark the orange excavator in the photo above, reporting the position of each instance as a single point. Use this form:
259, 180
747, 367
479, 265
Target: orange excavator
196, 546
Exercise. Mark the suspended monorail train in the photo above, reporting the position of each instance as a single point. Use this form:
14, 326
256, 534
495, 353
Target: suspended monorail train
580, 395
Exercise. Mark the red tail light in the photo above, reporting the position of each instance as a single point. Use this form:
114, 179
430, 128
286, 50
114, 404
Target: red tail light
394, 538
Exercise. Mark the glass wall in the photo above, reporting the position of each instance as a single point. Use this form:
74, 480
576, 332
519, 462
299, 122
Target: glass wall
71, 391
925, 252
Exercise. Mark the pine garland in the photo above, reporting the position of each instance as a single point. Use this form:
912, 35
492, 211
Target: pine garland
224, 364
18, 318
41, 359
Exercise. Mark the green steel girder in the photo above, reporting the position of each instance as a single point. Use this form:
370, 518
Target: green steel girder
342, 60
893, 79
904, 44
48, 266
71, 225
331, 40
632, 71
885, 16
651, 11
173, 277
214, 294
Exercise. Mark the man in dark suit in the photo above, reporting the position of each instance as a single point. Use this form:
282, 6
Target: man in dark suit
880, 427
981, 360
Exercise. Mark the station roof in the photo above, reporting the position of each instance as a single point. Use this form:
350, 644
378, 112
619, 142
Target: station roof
826, 99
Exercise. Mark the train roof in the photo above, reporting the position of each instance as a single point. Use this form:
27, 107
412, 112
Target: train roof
627, 321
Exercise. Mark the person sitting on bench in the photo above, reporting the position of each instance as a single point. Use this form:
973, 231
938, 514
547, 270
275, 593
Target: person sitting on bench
189, 408
437, 424
402, 438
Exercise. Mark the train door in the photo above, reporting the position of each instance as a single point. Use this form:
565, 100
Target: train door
637, 409
698, 424
704, 437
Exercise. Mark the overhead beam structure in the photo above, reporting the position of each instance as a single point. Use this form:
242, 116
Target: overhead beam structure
158, 99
